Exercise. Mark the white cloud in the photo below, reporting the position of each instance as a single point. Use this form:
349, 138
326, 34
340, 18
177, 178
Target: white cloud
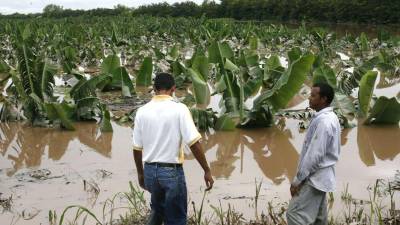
34, 6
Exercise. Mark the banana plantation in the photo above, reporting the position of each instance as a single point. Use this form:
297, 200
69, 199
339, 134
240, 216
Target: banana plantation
242, 82
256, 69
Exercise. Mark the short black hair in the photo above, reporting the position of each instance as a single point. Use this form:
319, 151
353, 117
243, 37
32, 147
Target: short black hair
325, 90
164, 81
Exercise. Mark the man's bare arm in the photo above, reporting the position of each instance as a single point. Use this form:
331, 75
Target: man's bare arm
198, 153
137, 155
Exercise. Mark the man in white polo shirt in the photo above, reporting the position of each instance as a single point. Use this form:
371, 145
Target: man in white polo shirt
162, 128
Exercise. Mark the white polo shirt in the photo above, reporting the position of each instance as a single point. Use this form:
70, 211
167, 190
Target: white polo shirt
161, 129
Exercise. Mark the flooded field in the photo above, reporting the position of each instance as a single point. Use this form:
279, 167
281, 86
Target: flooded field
45, 169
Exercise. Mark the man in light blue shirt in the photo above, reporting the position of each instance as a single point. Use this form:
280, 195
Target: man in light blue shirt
316, 168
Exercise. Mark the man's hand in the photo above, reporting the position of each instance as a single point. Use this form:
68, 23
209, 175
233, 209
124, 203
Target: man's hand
209, 180
294, 190
198, 153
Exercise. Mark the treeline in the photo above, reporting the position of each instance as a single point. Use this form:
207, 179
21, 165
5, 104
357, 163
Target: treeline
336, 11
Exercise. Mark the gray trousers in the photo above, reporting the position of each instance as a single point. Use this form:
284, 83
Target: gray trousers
309, 207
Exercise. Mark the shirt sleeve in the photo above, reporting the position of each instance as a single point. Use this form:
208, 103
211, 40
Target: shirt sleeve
188, 129
137, 135
315, 154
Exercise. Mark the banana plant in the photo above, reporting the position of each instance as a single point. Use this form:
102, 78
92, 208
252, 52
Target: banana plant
119, 76
144, 75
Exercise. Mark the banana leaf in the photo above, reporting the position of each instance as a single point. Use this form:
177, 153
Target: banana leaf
125, 82
325, 74
225, 123
203, 118
87, 88
259, 117
273, 68
252, 60
200, 64
4, 68
47, 80
69, 59
226, 50
384, 111
253, 83
145, 72
229, 65
344, 104
364, 44
110, 64
226, 80
60, 112
174, 53
367, 85
253, 43
214, 53
294, 54
200, 86
288, 84
18, 85
217, 53
105, 124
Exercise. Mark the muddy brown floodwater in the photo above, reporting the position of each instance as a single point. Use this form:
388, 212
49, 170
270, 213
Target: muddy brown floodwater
43, 169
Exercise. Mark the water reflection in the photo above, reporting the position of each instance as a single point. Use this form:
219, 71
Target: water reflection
272, 151
382, 142
277, 157
227, 143
25, 145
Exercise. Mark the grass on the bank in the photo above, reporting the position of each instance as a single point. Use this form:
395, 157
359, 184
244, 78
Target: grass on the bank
375, 210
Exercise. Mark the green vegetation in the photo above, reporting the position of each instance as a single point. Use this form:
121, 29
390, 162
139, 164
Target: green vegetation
339, 11
136, 211
322, 10
265, 64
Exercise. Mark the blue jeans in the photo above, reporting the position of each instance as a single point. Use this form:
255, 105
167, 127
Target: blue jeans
167, 186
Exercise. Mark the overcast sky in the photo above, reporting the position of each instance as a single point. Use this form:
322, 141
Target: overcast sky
33, 6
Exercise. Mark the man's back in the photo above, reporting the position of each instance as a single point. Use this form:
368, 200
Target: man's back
163, 125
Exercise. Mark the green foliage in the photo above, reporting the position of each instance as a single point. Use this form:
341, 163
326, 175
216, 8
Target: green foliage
240, 61
121, 77
200, 87
344, 104
105, 124
384, 12
84, 95
145, 72
288, 84
225, 123
203, 118
325, 74
367, 86
60, 112
385, 110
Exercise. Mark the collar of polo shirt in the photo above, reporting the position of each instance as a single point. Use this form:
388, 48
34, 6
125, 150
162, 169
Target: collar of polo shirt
161, 97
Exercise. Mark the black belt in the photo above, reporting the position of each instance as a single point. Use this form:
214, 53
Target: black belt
159, 164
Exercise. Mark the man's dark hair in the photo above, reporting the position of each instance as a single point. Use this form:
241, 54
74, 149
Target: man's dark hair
164, 81
325, 90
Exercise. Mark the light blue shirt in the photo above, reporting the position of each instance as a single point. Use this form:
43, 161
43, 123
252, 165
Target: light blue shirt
320, 152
